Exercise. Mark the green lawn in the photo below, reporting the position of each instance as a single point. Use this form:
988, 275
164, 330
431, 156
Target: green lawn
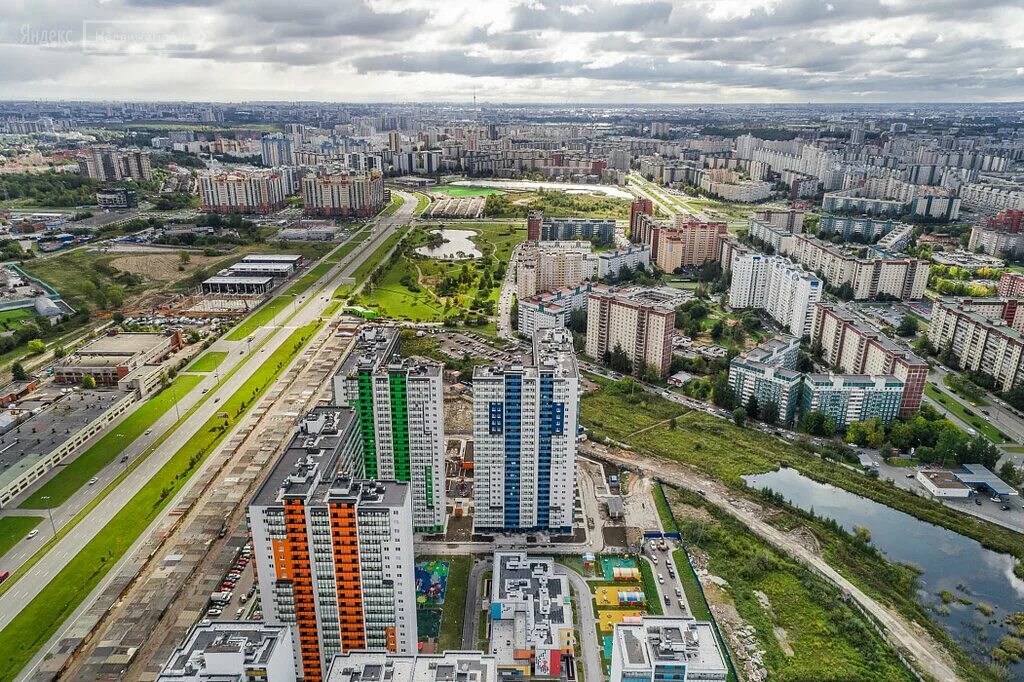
367, 266
668, 522
983, 426
458, 191
41, 617
208, 361
396, 203
422, 202
654, 605
14, 528
73, 476
454, 607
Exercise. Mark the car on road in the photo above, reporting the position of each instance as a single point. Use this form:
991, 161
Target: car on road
93, 480
4, 576
32, 534
977, 501
667, 601
661, 579
148, 431
996, 499
679, 593
1005, 507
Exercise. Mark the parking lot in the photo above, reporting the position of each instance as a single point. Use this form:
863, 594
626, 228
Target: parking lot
241, 583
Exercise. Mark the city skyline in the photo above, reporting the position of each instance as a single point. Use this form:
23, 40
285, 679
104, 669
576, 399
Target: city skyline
794, 51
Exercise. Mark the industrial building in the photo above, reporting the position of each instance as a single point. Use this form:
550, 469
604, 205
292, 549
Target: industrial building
113, 356
237, 286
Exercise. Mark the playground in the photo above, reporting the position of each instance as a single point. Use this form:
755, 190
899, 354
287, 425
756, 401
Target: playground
431, 582
627, 568
619, 596
608, 618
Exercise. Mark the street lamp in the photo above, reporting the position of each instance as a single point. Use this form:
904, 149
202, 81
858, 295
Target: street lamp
49, 512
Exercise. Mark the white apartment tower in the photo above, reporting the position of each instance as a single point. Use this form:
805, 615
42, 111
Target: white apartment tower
400, 406
524, 430
774, 284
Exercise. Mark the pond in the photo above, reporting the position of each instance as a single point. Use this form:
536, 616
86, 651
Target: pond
948, 561
457, 246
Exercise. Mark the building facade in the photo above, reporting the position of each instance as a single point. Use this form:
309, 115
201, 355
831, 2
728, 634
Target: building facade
334, 555
878, 274
982, 335
341, 194
678, 648
525, 423
850, 398
768, 374
241, 192
643, 330
846, 341
400, 404
777, 286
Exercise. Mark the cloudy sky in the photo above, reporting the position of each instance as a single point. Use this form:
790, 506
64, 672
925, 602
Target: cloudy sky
684, 51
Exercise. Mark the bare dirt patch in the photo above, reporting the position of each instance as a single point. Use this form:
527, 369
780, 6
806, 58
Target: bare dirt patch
162, 267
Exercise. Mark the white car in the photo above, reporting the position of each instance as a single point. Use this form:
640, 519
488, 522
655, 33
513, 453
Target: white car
31, 534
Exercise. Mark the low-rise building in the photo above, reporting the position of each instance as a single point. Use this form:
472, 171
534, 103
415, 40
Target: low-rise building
111, 357
237, 286
450, 666
531, 616
667, 648
117, 198
224, 651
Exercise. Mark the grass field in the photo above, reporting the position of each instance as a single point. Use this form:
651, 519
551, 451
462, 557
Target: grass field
41, 617
14, 528
983, 426
458, 191
11, 319
805, 629
422, 202
454, 607
73, 476
367, 266
208, 361
396, 203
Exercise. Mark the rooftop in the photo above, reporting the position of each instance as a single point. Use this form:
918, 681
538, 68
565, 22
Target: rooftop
670, 640
220, 279
254, 644
124, 343
451, 666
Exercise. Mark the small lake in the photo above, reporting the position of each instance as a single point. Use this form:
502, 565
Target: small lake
945, 559
457, 246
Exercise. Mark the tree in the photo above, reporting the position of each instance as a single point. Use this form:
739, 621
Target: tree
818, 423
515, 313
18, 370
88, 381
672, 425
770, 412
36, 346
185, 257
908, 327
722, 394
753, 409
1009, 473
59, 351
739, 416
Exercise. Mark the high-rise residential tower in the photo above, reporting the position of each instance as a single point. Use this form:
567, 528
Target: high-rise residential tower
334, 555
400, 406
524, 431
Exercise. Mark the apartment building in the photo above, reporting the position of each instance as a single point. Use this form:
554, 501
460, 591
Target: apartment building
991, 197
233, 650
768, 374
848, 342
667, 648
983, 335
866, 230
531, 617
879, 273
338, 193
525, 422
777, 286
1011, 285
334, 555
791, 220
544, 229
996, 242
276, 150
241, 192
635, 257
688, 243
852, 397
107, 163
400, 406
641, 328
771, 238
553, 309
639, 207
549, 266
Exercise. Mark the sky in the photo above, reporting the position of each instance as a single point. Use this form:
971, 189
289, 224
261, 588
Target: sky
584, 51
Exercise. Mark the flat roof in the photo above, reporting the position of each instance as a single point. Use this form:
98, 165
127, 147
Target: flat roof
256, 641
977, 475
220, 279
24, 443
128, 343
262, 267
271, 258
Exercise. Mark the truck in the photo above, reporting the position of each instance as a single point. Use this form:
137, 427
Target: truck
220, 597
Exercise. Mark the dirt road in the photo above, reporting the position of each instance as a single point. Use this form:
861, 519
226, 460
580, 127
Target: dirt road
915, 643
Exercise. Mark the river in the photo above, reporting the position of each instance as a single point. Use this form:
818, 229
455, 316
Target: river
948, 561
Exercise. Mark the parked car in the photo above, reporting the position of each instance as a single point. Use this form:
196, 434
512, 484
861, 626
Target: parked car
214, 612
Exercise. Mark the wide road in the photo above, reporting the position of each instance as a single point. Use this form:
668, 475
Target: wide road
307, 308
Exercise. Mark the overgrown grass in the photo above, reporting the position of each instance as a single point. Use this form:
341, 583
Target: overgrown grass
653, 606
668, 522
101, 453
13, 529
786, 604
615, 413
41, 617
208, 361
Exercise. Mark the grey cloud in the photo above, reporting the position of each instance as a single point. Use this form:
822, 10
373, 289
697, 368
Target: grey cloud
591, 16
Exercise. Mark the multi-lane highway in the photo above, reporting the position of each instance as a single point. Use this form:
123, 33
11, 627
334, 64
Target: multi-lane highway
306, 309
